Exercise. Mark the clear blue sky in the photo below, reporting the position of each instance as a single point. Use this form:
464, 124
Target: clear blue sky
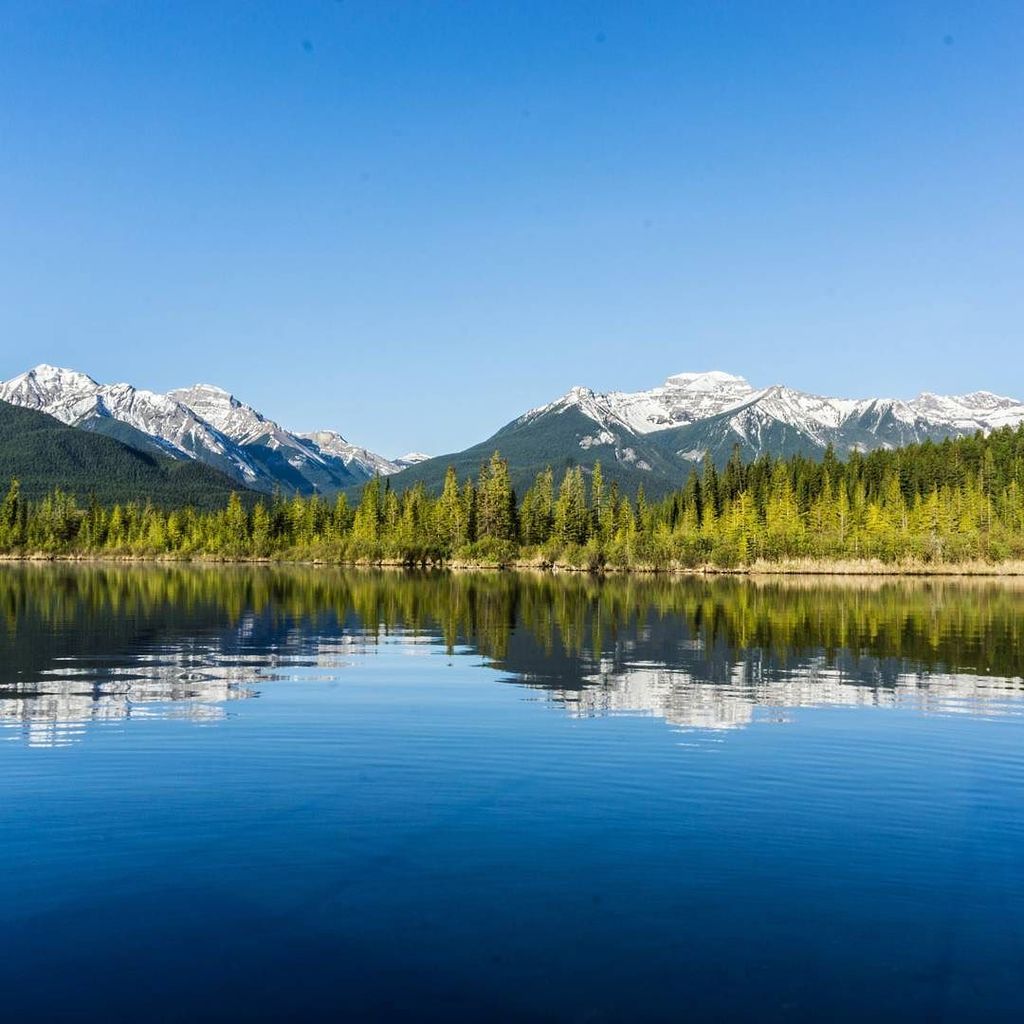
412, 220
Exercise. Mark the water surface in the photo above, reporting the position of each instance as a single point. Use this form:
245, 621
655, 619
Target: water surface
261, 794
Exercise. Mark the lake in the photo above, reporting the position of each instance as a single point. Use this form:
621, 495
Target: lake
313, 794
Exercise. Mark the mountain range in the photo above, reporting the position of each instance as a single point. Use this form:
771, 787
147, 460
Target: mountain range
654, 437
651, 437
202, 423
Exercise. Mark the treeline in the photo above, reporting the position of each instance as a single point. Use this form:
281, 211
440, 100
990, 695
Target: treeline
955, 501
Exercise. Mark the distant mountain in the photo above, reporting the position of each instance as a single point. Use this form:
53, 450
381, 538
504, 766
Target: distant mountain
44, 453
410, 459
202, 423
651, 437
654, 437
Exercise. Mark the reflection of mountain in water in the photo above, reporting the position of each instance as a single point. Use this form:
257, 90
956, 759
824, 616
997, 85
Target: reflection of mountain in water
688, 669
187, 680
684, 700
57, 716
89, 644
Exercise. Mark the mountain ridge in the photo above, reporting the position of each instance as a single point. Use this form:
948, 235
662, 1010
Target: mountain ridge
652, 436
688, 397
203, 422
655, 436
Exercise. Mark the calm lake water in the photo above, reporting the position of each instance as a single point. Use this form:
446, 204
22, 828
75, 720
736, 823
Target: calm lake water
261, 794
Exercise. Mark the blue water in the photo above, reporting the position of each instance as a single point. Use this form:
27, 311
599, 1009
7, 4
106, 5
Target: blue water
332, 797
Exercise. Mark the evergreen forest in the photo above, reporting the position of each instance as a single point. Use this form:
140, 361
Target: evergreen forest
942, 503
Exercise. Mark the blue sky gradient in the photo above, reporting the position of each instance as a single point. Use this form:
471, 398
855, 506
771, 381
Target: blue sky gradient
410, 221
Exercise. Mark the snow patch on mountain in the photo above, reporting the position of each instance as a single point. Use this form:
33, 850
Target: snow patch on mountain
754, 414
602, 437
234, 419
683, 398
331, 443
411, 459
202, 422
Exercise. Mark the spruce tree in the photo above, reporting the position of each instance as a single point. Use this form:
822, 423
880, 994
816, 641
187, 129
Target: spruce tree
571, 514
596, 497
536, 513
450, 516
9, 517
260, 539
367, 522
496, 513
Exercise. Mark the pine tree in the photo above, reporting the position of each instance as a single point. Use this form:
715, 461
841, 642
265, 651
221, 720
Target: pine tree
572, 517
236, 527
367, 523
260, 539
536, 514
496, 514
9, 517
341, 517
710, 484
609, 515
733, 477
450, 516
596, 497
469, 503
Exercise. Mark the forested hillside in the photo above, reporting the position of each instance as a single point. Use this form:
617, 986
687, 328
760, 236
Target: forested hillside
533, 446
944, 503
655, 437
42, 453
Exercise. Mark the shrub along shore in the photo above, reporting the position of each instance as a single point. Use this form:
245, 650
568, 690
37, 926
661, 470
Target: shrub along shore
951, 507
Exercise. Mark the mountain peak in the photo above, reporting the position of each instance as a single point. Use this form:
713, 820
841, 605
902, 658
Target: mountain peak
578, 393
208, 394
706, 381
696, 412
209, 389
45, 373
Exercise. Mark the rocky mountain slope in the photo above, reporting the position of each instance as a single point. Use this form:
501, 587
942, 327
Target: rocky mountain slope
655, 436
202, 423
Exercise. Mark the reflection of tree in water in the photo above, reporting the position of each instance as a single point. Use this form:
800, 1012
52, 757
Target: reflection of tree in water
84, 642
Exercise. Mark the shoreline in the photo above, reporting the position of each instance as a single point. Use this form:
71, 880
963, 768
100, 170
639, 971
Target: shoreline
787, 567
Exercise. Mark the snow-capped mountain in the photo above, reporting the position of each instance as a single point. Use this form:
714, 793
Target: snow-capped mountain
694, 413
682, 399
202, 422
332, 445
654, 437
411, 459
651, 436
138, 417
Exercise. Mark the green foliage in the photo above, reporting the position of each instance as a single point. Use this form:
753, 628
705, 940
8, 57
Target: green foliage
930, 503
43, 453
496, 501
536, 515
572, 517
